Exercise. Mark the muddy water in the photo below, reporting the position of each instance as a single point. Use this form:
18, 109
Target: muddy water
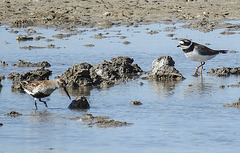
178, 117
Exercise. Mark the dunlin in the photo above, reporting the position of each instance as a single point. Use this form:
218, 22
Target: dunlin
41, 89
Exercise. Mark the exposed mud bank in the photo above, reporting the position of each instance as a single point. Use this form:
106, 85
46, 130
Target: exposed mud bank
49, 13
106, 74
100, 121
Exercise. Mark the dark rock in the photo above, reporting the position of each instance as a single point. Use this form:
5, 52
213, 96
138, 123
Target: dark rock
3, 63
126, 42
13, 75
236, 104
30, 76
109, 73
136, 103
79, 103
2, 77
24, 38
106, 74
225, 71
163, 69
29, 64
13, 114
78, 75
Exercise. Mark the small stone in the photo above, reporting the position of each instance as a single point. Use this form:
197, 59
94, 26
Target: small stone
235, 104
87, 117
232, 51
60, 36
79, 103
13, 114
31, 31
170, 35
126, 42
89, 45
135, 103
39, 38
24, 38
3, 63
222, 86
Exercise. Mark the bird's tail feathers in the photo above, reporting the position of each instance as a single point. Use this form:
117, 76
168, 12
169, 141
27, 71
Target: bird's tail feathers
222, 51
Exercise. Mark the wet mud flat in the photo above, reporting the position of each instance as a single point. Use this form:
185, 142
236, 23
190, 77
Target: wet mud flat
158, 106
88, 13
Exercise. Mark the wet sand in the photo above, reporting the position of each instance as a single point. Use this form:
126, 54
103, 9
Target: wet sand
47, 13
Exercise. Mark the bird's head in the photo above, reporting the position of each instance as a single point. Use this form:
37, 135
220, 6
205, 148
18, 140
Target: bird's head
184, 43
62, 84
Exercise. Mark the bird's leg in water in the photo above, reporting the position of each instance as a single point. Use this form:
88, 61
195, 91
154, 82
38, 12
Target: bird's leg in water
43, 102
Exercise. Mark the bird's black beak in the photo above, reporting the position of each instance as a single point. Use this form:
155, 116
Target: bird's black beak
179, 45
67, 92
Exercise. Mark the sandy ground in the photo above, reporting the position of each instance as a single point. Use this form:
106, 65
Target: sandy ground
22, 13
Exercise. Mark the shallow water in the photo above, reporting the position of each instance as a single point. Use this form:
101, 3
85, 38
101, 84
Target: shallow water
184, 117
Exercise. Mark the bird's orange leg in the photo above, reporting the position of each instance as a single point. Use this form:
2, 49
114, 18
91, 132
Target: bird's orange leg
202, 63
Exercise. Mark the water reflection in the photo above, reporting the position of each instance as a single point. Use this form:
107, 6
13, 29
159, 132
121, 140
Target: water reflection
163, 87
199, 86
80, 91
43, 116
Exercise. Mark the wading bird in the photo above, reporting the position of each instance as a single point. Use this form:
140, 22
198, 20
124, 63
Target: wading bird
198, 52
41, 89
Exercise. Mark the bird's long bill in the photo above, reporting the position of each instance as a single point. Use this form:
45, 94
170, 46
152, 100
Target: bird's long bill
66, 92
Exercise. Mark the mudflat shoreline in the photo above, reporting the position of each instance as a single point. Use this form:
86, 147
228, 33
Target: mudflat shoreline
50, 13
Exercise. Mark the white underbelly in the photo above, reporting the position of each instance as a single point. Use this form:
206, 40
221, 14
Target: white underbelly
195, 56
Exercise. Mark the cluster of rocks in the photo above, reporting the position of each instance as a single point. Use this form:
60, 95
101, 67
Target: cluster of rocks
235, 104
225, 71
106, 74
163, 69
100, 121
203, 25
3, 63
22, 63
13, 114
30, 76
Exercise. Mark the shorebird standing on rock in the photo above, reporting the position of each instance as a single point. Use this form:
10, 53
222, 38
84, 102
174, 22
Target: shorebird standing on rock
197, 52
41, 89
